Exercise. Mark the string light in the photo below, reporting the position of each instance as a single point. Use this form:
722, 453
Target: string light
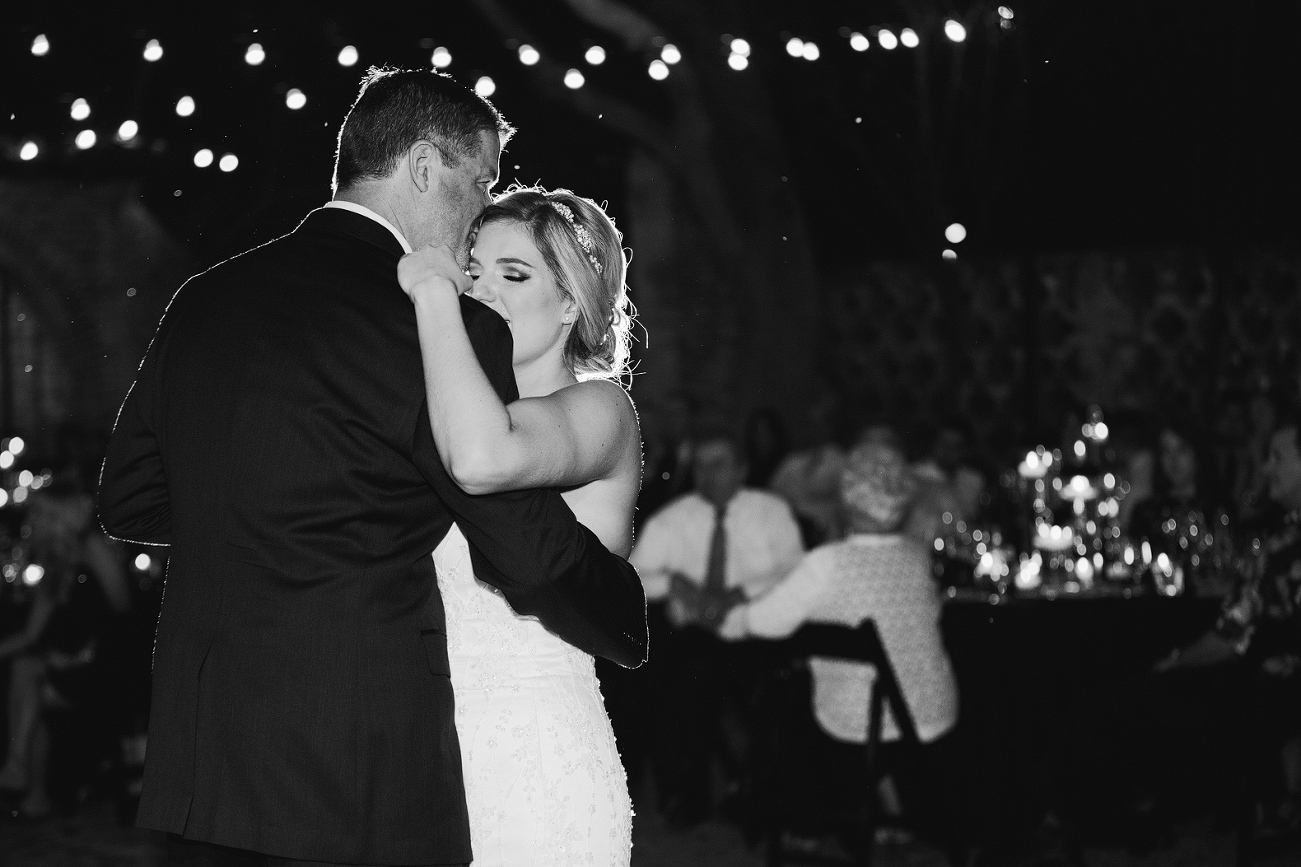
948, 255
80, 109
255, 55
6, 460
741, 47
16, 444
595, 55
127, 130
348, 56
670, 54
887, 40
485, 86
574, 79
811, 51
738, 61
29, 151
908, 37
295, 99
795, 47
955, 233
528, 55
229, 162
441, 58
1004, 12
203, 158
858, 41
86, 139
153, 50
41, 45
185, 106
658, 70
954, 30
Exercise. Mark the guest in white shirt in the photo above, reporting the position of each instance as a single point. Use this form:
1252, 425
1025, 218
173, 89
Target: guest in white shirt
677, 545
699, 555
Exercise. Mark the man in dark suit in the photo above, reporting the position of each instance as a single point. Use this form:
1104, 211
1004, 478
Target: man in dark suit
277, 438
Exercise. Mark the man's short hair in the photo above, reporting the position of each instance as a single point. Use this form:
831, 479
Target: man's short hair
723, 434
397, 108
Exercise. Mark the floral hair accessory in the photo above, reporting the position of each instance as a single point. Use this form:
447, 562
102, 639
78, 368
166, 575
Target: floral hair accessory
584, 236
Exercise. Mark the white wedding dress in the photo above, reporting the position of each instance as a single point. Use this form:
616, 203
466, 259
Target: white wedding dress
543, 779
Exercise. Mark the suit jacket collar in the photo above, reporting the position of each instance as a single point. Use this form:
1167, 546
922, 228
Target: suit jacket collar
354, 224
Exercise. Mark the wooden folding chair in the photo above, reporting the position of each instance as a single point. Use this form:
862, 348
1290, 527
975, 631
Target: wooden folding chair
787, 712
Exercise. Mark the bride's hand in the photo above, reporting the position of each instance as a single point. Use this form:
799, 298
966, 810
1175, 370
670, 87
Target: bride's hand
432, 269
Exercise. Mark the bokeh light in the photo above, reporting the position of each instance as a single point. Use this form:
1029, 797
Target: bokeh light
295, 98
887, 40
203, 158
528, 55
229, 162
595, 55
811, 51
658, 70
795, 47
255, 55
441, 58
86, 139
949, 255
80, 109
574, 79
348, 56
29, 151
34, 572
40, 45
153, 50
142, 562
670, 54
954, 30
908, 37
738, 61
16, 445
955, 233
858, 42
741, 47
6, 459
1004, 12
127, 130
485, 86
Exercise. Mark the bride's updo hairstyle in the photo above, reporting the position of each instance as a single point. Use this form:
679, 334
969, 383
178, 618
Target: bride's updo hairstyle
584, 252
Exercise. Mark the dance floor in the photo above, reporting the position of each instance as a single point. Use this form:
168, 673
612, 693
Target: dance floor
92, 838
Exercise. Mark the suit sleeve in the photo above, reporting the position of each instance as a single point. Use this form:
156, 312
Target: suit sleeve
133, 501
528, 543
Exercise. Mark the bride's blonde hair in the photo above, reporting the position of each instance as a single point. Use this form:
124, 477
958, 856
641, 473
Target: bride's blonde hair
584, 253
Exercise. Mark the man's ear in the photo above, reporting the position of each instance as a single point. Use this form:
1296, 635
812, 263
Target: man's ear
423, 163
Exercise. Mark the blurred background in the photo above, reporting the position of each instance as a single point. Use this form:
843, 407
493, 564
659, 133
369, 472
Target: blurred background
1007, 222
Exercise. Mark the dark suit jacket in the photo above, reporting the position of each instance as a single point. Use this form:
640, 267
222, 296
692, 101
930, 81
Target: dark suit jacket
277, 438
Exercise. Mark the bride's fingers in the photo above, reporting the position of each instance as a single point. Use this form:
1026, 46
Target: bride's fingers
431, 263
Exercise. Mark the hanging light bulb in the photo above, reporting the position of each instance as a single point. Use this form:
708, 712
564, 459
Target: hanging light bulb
528, 55
908, 37
348, 56
858, 42
595, 55
887, 40
485, 86
738, 61
255, 55
153, 50
295, 99
954, 30
203, 158
29, 151
86, 139
185, 106
670, 54
127, 130
658, 70
80, 109
40, 45
574, 79
229, 162
741, 47
441, 58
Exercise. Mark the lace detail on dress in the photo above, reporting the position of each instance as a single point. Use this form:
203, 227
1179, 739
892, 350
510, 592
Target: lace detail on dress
543, 779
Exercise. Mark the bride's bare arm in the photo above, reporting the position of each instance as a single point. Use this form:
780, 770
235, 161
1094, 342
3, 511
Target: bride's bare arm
571, 437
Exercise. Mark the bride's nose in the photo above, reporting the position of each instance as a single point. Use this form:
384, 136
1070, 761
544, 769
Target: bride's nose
480, 291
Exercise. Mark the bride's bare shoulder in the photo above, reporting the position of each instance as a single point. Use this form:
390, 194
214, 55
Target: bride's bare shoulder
601, 395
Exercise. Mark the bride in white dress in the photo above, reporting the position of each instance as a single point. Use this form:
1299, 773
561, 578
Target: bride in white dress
543, 780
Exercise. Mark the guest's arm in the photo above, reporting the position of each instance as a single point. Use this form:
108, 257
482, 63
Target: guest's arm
782, 610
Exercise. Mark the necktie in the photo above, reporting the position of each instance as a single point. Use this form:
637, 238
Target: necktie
716, 570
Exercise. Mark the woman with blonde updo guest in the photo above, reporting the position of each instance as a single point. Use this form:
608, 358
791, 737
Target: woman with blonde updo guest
875, 573
543, 780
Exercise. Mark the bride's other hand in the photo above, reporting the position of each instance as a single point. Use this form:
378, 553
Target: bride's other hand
432, 269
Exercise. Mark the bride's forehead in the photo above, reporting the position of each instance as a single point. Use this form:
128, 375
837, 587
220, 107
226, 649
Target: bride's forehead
501, 233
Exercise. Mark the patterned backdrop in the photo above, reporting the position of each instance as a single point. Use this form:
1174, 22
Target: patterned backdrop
1013, 349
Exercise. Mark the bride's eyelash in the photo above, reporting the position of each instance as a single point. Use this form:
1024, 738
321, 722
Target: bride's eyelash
516, 278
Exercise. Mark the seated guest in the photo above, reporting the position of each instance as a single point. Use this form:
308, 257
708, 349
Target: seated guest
875, 573
699, 555
946, 484
1261, 625
53, 655
809, 478
1185, 505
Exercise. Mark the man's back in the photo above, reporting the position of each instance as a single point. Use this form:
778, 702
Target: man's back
301, 701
